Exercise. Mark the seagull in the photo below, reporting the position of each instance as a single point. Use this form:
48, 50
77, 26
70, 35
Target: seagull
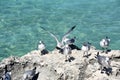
41, 46
28, 75
7, 75
69, 41
65, 37
85, 48
67, 52
104, 43
104, 63
60, 44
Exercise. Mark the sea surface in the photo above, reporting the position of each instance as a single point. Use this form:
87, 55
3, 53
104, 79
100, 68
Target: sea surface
20, 22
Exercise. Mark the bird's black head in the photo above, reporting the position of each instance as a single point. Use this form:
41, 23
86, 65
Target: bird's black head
106, 37
74, 37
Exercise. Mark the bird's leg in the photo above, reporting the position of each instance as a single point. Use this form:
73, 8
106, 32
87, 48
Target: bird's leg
84, 53
69, 58
101, 67
66, 58
106, 50
87, 54
102, 50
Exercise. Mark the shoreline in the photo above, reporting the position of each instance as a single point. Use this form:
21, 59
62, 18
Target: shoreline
52, 66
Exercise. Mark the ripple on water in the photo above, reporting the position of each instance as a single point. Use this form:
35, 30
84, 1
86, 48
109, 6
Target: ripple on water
20, 23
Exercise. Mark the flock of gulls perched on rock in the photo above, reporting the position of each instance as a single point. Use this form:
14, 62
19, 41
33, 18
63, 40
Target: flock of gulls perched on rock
65, 46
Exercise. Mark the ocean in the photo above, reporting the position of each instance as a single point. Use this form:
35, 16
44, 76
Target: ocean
20, 22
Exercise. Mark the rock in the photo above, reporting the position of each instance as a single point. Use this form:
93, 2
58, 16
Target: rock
52, 66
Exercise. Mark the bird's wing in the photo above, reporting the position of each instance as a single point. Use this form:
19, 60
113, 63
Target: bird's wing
52, 35
67, 33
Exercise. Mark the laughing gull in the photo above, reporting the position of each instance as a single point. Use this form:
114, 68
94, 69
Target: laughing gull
65, 37
85, 47
104, 43
104, 63
42, 48
28, 75
69, 41
60, 44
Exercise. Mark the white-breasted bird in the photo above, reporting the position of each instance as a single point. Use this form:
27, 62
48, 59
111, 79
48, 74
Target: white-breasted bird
41, 46
85, 47
28, 75
104, 43
69, 41
104, 63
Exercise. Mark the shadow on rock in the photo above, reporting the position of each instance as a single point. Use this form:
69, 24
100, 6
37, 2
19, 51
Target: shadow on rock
71, 59
87, 56
72, 46
43, 52
109, 50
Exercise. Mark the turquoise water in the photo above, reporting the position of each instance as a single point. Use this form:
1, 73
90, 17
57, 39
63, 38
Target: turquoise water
20, 22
